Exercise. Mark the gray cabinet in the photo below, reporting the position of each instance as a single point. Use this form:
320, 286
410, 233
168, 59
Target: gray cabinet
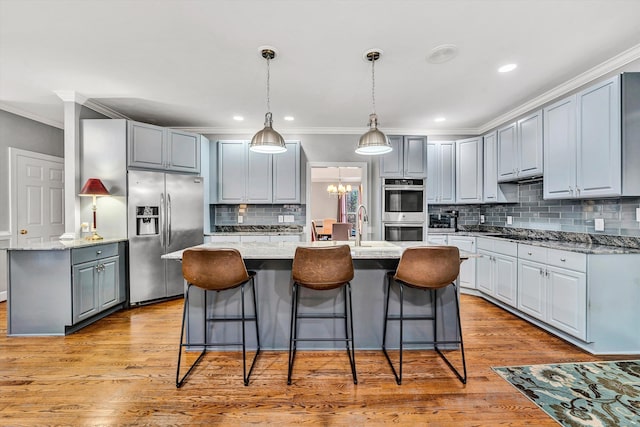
520, 148
469, 170
155, 147
248, 177
407, 160
441, 181
494, 192
552, 287
96, 280
467, 277
286, 174
582, 144
497, 269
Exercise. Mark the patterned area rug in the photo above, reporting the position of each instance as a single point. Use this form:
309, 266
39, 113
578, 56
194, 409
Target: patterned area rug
582, 394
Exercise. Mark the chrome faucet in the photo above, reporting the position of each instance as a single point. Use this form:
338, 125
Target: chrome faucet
360, 221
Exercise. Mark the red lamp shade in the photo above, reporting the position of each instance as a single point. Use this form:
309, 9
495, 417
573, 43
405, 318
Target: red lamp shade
94, 187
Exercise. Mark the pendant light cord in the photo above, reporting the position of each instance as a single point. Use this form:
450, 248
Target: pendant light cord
268, 79
373, 84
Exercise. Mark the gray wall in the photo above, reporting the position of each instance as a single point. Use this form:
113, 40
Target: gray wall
25, 134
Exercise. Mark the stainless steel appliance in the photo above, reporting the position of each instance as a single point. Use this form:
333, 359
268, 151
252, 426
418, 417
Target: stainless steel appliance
403, 231
403, 200
443, 222
165, 214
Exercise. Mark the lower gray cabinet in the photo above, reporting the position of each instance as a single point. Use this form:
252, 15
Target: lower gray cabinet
96, 280
95, 287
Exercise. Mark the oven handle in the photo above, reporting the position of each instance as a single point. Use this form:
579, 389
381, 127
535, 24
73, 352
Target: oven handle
404, 187
403, 224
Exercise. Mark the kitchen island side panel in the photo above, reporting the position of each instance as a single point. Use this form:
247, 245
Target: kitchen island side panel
39, 300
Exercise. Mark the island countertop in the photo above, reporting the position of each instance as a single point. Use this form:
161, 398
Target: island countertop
286, 250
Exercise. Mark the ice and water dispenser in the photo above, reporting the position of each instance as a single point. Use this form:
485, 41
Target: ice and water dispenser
147, 220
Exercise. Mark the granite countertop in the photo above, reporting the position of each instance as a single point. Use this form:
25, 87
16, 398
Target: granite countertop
61, 245
573, 242
253, 230
286, 250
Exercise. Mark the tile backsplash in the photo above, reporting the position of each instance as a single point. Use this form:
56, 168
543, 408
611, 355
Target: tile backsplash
533, 212
256, 214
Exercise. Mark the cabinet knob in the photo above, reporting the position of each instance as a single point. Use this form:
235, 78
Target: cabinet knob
23, 231
529, 253
98, 252
563, 259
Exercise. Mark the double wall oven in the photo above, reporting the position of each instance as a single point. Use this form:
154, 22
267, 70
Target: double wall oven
403, 210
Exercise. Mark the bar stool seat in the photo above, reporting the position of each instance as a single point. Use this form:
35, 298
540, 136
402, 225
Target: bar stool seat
432, 269
322, 269
217, 270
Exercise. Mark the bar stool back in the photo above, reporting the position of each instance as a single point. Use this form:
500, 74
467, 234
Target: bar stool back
427, 268
216, 270
321, 269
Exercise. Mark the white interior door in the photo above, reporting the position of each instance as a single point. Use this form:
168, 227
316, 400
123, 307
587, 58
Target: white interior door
38, 196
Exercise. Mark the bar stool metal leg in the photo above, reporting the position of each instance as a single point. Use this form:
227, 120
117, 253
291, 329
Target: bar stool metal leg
293, 334
461, 377
180, 381
351, 350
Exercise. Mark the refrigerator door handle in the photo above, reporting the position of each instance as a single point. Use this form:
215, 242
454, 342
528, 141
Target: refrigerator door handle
168, 219
161, 219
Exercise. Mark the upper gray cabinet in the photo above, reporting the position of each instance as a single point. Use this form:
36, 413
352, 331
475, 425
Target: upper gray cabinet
441, 176
520, 148
248, 177
155, 147
469, 170
408, 158
582, 144
492, 191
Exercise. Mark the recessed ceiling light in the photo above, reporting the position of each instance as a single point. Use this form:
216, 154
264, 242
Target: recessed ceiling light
442, 53
507, 67
288, 118
238, 118
439, 119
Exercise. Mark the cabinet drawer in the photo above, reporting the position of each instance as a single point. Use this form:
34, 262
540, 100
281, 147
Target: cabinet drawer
505, 248
486, 244
93, 253
564, 259
532, 253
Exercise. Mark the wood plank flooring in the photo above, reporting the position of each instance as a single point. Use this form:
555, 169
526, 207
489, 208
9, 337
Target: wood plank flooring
121, 371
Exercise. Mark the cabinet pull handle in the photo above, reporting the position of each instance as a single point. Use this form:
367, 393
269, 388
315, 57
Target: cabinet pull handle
571, 189
546, 272
541, 272
529, 253
98, 252
563, 259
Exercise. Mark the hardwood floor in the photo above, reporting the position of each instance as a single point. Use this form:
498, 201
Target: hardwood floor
121, 371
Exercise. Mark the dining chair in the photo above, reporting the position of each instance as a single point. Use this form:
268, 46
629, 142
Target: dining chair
341, 231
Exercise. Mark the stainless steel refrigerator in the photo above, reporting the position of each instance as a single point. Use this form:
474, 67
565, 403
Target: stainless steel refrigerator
165, 214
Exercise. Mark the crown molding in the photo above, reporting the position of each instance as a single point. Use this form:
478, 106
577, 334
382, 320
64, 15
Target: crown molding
588, 76
18, 112
104, 110
328, 131
71, 96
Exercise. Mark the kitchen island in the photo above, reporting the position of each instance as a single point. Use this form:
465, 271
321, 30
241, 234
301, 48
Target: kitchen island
56, 288
272, 263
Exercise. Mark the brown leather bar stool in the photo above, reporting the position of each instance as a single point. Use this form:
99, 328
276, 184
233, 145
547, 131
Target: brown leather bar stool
430, 269
322, 269
217, 270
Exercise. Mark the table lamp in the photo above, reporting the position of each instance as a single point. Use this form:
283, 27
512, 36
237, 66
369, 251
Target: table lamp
94, 187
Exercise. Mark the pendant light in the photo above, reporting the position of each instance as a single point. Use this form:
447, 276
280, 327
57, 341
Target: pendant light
268, 140
373, 142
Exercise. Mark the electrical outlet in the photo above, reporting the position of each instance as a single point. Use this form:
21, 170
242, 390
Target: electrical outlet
509, 220
599, 224
85, 227
638, 214
289, 218
280, 218
481, 219
240, 219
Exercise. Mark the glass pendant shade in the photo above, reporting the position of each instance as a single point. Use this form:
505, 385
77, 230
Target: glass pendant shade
373, 142
268, 140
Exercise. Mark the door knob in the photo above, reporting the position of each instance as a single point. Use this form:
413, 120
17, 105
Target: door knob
23, 231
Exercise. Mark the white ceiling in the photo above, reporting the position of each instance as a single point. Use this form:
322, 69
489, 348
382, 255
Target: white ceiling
196, 63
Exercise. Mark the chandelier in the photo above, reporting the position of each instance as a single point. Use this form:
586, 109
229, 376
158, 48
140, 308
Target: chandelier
339, 189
